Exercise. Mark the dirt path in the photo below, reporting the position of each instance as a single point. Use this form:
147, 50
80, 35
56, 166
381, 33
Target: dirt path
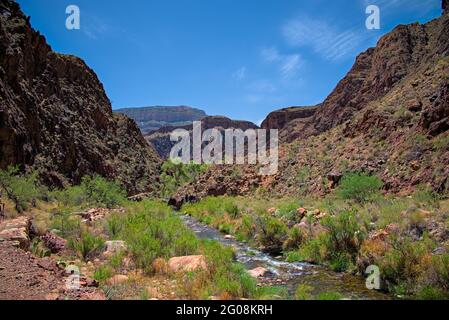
25, 277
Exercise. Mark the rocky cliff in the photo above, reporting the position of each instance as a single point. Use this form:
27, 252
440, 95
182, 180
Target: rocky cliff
55, 116
160, 139
153, 118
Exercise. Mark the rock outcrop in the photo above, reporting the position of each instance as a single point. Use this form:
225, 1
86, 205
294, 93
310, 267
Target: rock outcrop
153, 118
279, 119
55, 115
445, 6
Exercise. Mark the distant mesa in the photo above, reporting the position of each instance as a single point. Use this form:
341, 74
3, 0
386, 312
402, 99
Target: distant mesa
153, 118
160, 139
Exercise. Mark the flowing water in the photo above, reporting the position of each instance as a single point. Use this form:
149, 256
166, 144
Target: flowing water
286, 274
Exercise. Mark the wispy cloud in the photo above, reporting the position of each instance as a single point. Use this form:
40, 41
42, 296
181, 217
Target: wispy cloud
326, 40
239, 74
94, 27
289, 64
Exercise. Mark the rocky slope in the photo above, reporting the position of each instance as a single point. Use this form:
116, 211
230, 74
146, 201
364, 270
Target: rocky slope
389, 117
160, 139
56, 117
153, 118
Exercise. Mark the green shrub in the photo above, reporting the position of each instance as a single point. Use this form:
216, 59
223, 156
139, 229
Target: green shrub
103, 192
359, 187
102, 274
176, 174
86, 245
93, 191
342, 240
66, 225
22, 189
271, 233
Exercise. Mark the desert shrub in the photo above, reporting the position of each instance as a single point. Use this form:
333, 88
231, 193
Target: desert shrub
86, 245
114, 225
65, 224
22, 189
271, 233
294, 240
93, 191
404, 263
103, 273
176, 174
102, 192
342, 240
338, 246
358, 187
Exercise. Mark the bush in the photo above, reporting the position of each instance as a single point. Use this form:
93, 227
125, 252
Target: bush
22, 189
271, 233
343, 240
93, 191
86, 245
359, 187
102, 192
176, 174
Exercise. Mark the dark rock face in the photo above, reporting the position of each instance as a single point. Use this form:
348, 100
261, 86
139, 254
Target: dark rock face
279, 119
445, 6
153, 118
160, 139
56, 117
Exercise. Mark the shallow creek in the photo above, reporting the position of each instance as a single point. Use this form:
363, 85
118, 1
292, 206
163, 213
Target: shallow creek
286, 274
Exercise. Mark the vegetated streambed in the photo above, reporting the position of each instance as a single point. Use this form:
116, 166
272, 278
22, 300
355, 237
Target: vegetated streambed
286, 274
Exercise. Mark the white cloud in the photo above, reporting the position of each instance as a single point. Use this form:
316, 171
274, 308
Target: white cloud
325, 39
240, 74
289, 64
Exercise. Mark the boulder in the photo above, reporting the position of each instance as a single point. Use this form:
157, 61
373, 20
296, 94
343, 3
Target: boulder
187, 263
16, 230
53, 242
118, 279
258, 272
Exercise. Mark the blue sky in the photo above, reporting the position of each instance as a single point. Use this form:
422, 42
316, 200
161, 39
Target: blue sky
239, 58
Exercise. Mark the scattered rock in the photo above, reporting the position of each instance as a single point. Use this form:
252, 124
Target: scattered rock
187, 263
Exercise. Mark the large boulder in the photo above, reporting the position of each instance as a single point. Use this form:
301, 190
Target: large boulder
187, 264
16, 230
